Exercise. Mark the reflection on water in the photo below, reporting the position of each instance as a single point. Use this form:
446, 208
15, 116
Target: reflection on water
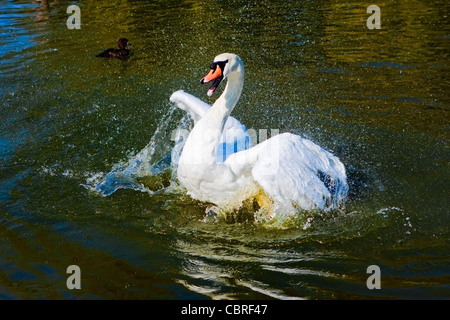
375, 98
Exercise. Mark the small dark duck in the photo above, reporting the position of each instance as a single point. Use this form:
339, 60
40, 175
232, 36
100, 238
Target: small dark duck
122, 52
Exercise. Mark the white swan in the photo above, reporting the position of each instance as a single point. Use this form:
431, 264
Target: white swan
283, 174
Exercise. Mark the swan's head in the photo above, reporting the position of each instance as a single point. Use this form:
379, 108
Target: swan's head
223, 65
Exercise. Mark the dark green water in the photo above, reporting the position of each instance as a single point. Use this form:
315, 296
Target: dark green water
378, 99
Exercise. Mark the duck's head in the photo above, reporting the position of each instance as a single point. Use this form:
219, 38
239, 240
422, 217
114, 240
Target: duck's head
123, 43
223, 65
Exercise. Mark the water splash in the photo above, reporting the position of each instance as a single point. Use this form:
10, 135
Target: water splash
160, 155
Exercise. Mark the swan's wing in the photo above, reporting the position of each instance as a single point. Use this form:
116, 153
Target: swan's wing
294, 172
195, 107
235, 137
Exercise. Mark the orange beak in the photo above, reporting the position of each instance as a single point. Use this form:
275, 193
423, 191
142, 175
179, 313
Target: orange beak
215, 74
212, 75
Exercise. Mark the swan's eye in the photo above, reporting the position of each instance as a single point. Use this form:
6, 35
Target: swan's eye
221, 64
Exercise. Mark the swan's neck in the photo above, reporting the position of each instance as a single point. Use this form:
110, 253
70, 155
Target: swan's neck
208, 131
232, 92
221, 109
